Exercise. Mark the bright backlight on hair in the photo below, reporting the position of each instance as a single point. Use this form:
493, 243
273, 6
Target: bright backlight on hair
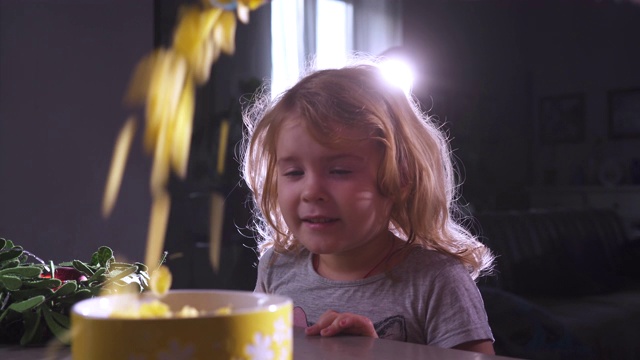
398, 73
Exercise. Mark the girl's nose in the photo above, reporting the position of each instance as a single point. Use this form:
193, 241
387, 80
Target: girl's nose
314, 189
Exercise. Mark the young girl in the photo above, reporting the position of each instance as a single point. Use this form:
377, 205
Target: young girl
354, 192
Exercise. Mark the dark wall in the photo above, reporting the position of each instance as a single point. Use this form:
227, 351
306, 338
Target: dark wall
64, 67
486, 65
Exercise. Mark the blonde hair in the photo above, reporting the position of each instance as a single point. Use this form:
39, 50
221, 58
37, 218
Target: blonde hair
416, 171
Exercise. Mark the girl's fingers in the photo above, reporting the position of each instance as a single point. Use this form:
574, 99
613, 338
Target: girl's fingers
332, 323
324, 321
355, 325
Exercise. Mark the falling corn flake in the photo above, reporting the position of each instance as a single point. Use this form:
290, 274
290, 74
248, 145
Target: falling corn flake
118, 162
164, 82
160, 282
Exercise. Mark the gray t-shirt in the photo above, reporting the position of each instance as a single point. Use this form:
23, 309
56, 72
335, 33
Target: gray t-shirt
429, 298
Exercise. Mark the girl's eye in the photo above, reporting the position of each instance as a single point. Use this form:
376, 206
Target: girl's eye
341, 171
293, 173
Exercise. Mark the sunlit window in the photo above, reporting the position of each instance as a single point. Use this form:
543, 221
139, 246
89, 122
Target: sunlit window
287, 25
334, 33
326, 33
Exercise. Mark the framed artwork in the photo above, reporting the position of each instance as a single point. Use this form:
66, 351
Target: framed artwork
624, 113
562, 119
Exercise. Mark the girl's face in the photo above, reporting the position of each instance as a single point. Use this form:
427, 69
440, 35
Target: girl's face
329, 196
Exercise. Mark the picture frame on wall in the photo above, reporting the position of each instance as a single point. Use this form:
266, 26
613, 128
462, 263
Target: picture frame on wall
562, 119
624, 113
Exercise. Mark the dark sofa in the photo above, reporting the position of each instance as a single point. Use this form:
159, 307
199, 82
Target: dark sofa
566, 285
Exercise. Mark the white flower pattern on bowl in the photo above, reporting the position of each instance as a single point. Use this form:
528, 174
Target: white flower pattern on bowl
283, 331
260, 349
262, 346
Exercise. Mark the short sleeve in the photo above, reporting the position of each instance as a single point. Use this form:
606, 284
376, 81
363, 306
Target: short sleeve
456, 312
262, 285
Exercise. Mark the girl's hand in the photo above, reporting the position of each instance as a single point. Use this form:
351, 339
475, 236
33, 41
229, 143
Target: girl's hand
333, 323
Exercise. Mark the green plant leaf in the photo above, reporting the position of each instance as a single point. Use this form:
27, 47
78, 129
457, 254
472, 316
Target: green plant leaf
143, 278
119, 265
24, 294
28, 297
58, 324
97, 276
122, 273
42, 283
13, 253
32, 321
28, 304
10, 282
22, 271
6, 244
73, 298
105, 256
141, 267
83, 268
9, 264
67, 288
23, 258
61, 319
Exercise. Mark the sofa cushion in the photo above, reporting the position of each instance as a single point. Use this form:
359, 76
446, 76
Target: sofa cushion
525, 330
629, 262
561, 274
555, 252
608, 323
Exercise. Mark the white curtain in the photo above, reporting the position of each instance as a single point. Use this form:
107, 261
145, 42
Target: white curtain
377, 25
287, 43
328, 31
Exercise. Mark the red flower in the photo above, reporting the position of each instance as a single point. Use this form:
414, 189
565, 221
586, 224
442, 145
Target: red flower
65, 273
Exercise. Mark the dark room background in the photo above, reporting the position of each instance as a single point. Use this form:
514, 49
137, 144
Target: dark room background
524, 88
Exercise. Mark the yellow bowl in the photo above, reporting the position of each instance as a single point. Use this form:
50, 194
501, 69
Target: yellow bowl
258, 327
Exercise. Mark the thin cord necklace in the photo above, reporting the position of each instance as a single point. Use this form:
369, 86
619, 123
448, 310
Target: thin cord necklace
316, 261
384, 259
